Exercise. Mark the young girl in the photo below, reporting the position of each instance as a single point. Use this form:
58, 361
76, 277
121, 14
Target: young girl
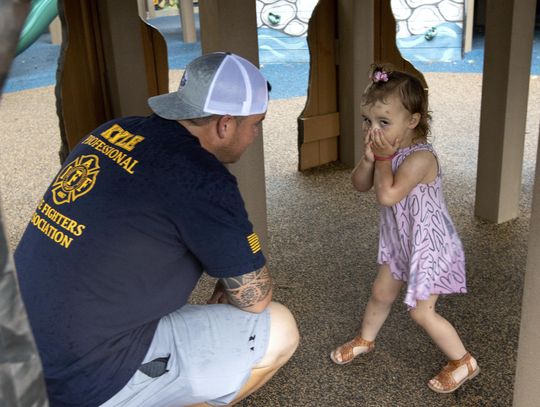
418, 244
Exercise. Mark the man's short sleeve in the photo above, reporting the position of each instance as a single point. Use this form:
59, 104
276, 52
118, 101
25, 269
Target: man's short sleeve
215, 227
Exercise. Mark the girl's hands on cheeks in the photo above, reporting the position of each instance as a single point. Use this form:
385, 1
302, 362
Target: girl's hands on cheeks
380, 146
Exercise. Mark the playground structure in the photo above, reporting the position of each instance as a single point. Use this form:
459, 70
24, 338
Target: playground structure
435, 32
43, 15
495, 109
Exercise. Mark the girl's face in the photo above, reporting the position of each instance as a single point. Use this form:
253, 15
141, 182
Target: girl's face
392, 118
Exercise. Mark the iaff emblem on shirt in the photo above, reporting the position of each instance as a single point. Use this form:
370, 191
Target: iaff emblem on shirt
77, 179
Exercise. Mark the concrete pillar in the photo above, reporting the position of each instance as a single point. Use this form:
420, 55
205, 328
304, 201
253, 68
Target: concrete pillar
232, 26
356, 51
527, 388
505, 87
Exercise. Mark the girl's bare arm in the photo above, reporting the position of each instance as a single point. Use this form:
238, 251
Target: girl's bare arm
362, 175
419, 167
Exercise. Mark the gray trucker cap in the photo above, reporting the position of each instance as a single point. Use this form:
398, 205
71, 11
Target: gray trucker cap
216, 83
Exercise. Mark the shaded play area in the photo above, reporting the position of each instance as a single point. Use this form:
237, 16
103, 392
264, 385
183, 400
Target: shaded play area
322, 245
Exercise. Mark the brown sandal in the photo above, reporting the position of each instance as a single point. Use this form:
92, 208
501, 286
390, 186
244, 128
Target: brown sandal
346, 350
446, 379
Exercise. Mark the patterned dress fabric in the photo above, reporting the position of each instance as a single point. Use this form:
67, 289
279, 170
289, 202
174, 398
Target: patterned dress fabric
418, 240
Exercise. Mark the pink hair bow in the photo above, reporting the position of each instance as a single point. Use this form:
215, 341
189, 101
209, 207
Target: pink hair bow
380, 76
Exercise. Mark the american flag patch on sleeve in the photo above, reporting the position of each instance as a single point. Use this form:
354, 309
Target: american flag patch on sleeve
254, 243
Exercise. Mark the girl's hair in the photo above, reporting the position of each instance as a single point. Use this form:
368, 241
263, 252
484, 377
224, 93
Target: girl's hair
386, 82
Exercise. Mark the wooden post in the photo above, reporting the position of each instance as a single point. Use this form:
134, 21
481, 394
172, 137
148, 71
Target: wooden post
232, 26
367, 34
356, 27
505, 88
526, 388
55, 29
187, 18
108, 45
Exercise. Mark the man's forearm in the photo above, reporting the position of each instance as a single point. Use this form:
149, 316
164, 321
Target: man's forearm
250, 292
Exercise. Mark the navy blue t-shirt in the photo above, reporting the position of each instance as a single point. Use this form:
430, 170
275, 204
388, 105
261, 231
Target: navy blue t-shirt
138, 211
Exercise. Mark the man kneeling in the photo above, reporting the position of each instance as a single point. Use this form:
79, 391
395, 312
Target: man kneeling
140, 208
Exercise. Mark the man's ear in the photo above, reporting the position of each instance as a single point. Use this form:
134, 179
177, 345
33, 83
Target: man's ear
414, 120
225, 125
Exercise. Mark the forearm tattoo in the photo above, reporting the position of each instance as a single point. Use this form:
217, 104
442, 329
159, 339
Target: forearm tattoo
248, 289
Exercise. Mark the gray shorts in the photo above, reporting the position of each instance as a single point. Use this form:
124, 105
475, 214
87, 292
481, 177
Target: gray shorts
211, 350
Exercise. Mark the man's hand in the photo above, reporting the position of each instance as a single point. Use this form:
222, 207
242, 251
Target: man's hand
251, 292
218, 296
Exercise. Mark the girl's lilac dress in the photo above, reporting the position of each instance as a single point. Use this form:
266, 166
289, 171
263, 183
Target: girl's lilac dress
417, 239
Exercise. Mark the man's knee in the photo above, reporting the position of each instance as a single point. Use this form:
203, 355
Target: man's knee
284, 336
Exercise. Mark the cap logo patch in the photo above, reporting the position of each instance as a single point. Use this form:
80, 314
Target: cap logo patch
183, 81
254, 243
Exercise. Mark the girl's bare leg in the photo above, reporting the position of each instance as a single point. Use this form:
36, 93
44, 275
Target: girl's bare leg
443, 334
385, 290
